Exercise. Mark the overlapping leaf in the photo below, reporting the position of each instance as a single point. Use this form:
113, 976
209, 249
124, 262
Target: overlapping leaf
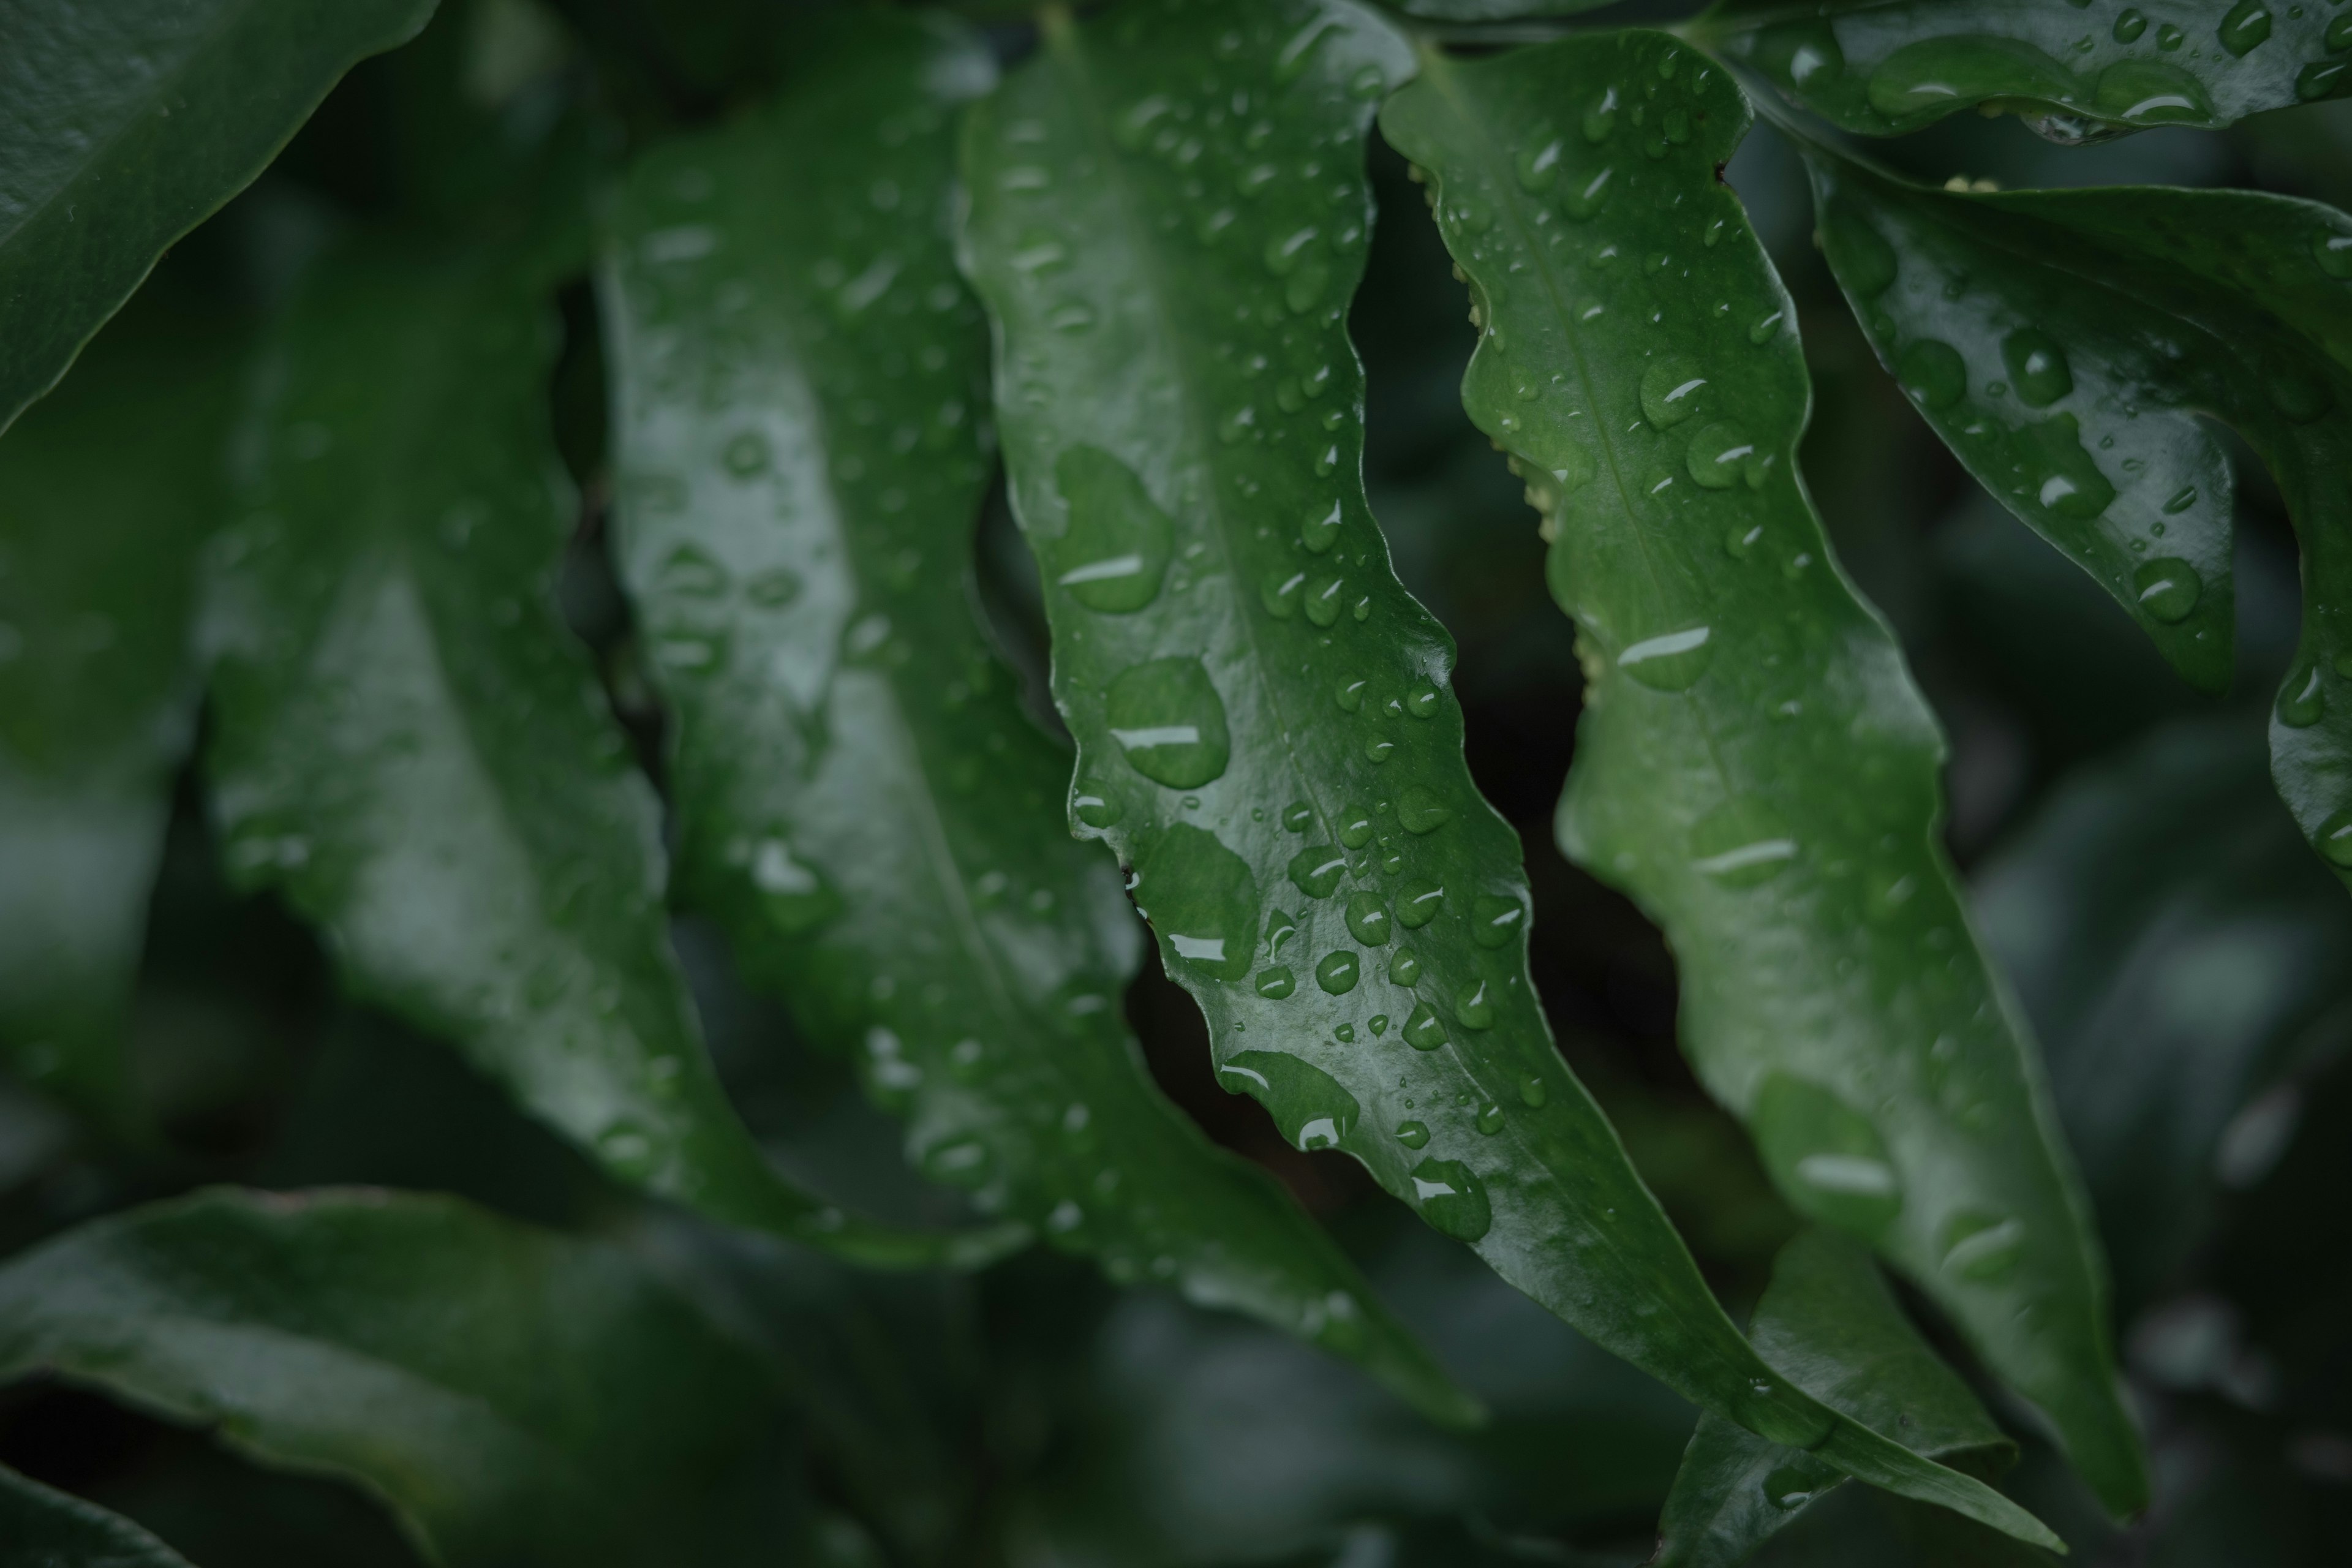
122, 125
1753, 765
514, 1396
1828, 1321
411, 744
107, 491
863, 801
2085, 69
2063, 344
44, 1528
1168, 214
2176, 948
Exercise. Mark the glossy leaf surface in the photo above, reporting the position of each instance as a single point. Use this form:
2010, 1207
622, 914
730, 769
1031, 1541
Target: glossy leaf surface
1830, 1323
1264, 729
123, 125
2176, 948
44, 1528
2074, 72
863, 801
1753, 765
107, 491
514, 1396
2114, 317
412, 745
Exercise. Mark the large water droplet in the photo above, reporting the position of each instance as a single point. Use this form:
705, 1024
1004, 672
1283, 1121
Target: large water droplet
1275, 984
1311, 1107
1317, 870
1418, 902
2334, 840
2246, 25
2071, 484
1671, 390
1337, 973
1424, 1030
2302, 700
1497, 922
2037, 365
1167, 717
1981, 1247
1933, 373
1721, 454
1355, 826
2149, 92
1115, 551
1743, 843
1826, 1156
1474, 1005
1200, 898
1452, 1198
2167, 588
1412, 1134
1671, 661
1368, 918
1922, 80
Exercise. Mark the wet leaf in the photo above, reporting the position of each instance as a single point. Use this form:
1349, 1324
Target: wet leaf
863, 801
128, 123
516, 1397
1830, 1323
1268, 740
412, 746
2114, 317
2076, 72
44, 1528
1753, 765
107, 490
2178, 950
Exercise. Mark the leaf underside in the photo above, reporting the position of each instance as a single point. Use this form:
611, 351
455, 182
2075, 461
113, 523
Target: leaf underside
2076, 72
125, 124
1265, 732
412, 746
2085, 330
45, 1528
516, 1397
1754, 765
864, 804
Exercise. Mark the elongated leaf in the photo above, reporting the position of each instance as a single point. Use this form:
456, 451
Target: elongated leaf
2174, 944
1829, 1323
411, 744
1168, 214
107, 490
1490, 10
863, 802
124, 124
517, 1397
2062, 342
45, 1528
2076, 72
1754, 765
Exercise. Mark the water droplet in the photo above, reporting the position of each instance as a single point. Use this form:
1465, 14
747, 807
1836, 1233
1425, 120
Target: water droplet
1404, 968
1355, 826
960, 1162
2332, 248
1419, 810
1167, 717
1349, 695
1532, 1092
1423, 1031
1313, 1109
2180, 500
1200, 898
1338, 972
1280, 592
1859, 255
2167, 588
2072, 485
1921, 81
1587, 191
1981, 1247
1739, 539
1423, 701
746, 454
1091, 804
627, 1149
1320, 533
691, 573
2295, 388
1671, 661
1412, 1134
1418, 903
1600, 115
1324, 598
2339, 36
2246, 25
794, 895
1671, 389
2335, 840
1932, 373
1297, 816
2151, 92
1317, 871
1721, 454
1115, 551
1368, 918
1474, 1007
1495, 922
1276, 983
2302, 700
1791, 1486
1538, 160
2129, 27
1279, 929
1800, 54
1452, 1199
1378, 749
1767, 327
1826, 1156
2037, 366
1743, 843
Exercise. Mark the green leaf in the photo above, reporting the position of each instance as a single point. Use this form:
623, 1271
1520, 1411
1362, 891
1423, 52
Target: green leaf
125, 124
107, 490
2077, 72
514, 1396
1266, 737
411, 744
861, 800
45, 1528
2108, 320
2176, 947
1491, 10
1754, 765
1830, 1323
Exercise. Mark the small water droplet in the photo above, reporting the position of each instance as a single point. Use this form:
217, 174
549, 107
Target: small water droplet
1424, 1030
1349, 695
1355, 826
1532, 1092
2037, 366
2129, 27
2167, 588
2335, 840
1320, 533
1600, 115
1721, 454
2302, 700
1404, 968
1419, 810
1474, 1007
1368, 918
1495, 922
1490, 1119
1276, 983
1412, 1134
1324, 598
1378, 749
1338, 972
1091, 804
1297, 816
1317, 871
1418, 902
